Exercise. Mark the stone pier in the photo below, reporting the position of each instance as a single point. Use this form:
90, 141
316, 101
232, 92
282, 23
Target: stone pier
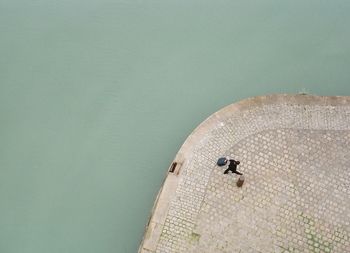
295, 156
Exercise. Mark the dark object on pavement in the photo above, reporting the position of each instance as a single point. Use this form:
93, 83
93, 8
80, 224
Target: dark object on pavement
222, 161
240, 181
233, 167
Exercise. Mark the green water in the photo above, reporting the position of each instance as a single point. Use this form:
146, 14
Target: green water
96, 98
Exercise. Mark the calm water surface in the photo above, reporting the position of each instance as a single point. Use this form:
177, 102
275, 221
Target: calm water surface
96, 98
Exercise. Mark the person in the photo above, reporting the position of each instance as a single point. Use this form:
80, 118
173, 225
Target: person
232, 166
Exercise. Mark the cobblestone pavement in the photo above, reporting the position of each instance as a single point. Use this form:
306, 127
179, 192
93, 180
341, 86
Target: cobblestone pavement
296, 196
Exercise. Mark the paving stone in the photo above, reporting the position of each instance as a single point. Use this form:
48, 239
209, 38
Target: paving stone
296, 196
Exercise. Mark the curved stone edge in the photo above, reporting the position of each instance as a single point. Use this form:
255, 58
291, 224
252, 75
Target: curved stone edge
161, 205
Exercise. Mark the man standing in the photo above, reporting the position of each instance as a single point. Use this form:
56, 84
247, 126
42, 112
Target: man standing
232, 166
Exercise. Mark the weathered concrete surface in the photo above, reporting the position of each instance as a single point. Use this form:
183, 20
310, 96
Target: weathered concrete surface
294, 153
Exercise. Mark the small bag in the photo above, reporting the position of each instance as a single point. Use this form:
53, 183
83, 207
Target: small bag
222, 161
